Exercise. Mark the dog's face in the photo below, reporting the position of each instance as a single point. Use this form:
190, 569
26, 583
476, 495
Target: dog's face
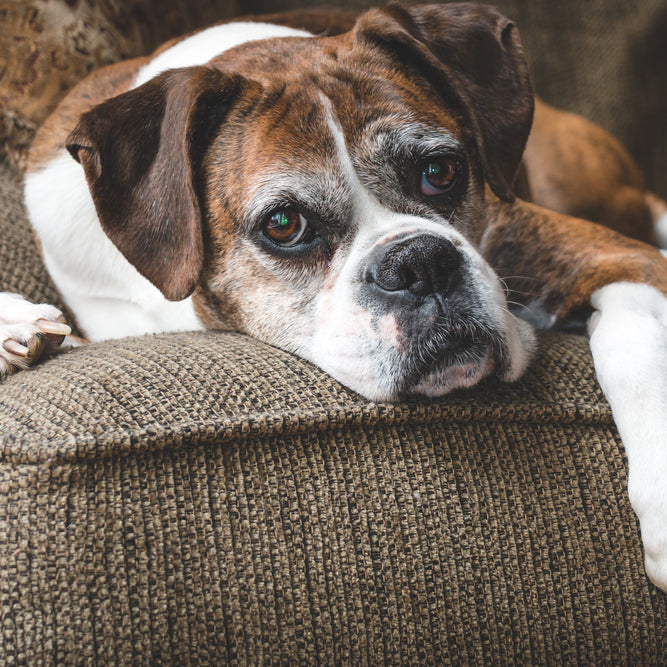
327, 195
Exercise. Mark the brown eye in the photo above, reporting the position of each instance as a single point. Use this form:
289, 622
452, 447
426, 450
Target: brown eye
285, 227
439, 175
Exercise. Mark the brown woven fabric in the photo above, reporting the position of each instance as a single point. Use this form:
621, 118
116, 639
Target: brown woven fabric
204, 499
21, 268
201, 498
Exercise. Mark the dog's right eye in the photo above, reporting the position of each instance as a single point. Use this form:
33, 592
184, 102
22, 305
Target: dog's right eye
286, 227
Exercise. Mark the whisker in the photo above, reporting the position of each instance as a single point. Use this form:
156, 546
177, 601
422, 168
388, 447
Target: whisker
535, 295
537, 280
517, 304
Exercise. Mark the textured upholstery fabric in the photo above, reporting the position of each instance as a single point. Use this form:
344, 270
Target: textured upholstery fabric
201, 498
205, 499
21, 268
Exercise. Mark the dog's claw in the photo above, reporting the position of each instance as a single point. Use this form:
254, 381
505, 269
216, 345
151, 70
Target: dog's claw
36, 347
53, 328
15, 348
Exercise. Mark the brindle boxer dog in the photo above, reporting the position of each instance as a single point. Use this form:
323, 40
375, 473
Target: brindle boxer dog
350, 198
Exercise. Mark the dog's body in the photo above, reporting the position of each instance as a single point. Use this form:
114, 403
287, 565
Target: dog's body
345, 198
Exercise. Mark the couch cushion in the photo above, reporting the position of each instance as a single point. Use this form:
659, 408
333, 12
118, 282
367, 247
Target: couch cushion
205, 498
21, 267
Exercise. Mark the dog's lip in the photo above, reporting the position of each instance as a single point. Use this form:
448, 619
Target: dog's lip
454, 376
454, 357
461, 364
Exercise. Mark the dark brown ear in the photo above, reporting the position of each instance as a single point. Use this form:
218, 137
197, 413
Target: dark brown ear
473, 57
141, 152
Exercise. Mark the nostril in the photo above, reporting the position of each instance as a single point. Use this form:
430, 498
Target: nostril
449, 258
391, 279
406, 277
389, 273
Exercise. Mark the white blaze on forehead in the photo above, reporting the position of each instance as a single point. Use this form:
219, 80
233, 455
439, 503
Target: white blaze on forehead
207, 44
365, 204
371, 217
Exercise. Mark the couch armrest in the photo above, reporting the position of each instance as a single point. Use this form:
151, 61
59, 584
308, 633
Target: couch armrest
202, 497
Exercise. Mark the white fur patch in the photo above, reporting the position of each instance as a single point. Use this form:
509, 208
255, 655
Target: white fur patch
629, 345
207, 44
108, 296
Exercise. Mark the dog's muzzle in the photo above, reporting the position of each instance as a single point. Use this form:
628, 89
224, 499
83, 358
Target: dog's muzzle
422, 313
422, 284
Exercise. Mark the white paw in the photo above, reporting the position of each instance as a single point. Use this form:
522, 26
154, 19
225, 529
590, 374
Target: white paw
27, 332
629, 346
648, 497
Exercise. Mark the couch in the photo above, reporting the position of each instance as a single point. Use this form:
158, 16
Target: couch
201, 498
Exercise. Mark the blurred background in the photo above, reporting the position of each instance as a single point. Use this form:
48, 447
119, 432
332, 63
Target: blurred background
605, 59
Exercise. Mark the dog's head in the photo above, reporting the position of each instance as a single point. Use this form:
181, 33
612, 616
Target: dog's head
327, 195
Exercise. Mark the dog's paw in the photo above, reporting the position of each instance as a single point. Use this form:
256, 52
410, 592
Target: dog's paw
629, 344
28, 331
648, 498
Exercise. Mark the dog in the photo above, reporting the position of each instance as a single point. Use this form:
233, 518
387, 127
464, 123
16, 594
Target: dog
351, 198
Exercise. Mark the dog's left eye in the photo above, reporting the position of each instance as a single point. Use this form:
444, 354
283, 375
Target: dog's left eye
439, 175
286, 227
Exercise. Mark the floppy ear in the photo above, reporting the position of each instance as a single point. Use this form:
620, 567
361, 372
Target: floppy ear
473, 57
141, 152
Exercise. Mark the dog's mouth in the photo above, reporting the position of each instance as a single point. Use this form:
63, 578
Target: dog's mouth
457, 374
397, 358
452, 354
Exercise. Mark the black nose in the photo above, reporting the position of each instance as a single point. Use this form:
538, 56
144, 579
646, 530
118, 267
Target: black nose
420, 265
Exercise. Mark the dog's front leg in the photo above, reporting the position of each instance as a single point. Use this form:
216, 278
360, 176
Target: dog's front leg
553, 263
629, 343
560, 268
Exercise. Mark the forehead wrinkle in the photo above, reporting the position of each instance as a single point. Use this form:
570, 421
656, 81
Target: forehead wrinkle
321, 191
410, 137
299, 168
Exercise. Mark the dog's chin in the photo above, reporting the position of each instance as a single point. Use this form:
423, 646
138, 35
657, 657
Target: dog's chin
449, 377
399, 382
465, 361
389, 376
